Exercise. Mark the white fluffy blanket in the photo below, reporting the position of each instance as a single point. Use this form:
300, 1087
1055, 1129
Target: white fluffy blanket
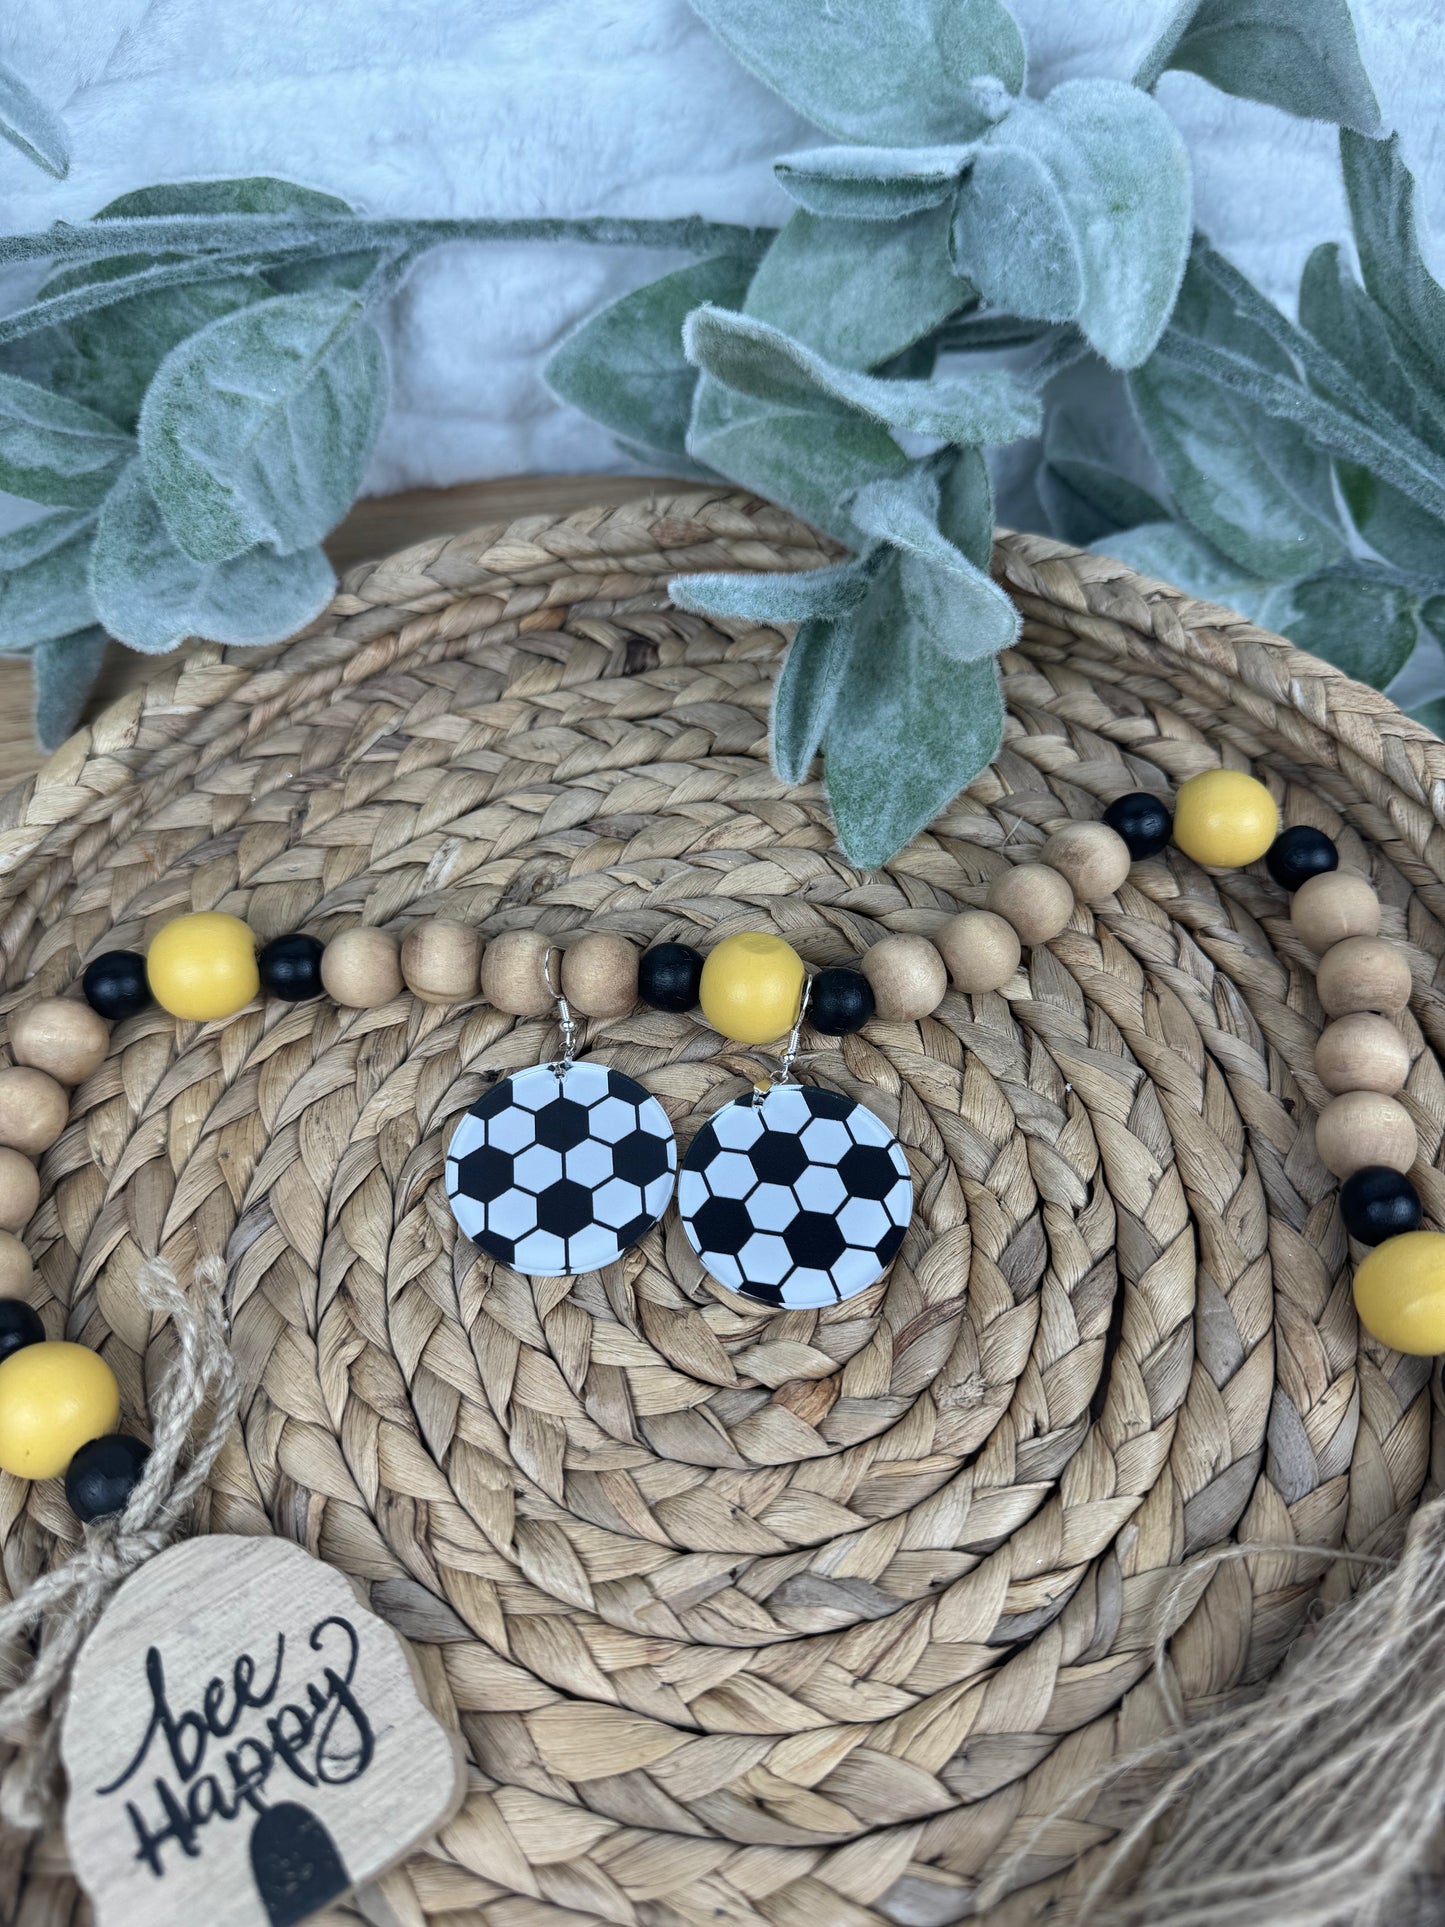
573, 107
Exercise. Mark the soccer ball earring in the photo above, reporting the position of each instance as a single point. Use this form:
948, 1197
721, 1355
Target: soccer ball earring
794, 1196
563, 1167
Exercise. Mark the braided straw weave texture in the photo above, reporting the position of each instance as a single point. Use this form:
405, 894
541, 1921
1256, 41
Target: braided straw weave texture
799, 1620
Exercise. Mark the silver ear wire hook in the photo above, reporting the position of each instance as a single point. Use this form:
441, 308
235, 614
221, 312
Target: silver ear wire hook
790, 1049
565, 1019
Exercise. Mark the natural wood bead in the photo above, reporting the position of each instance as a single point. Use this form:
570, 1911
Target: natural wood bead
1329, 908
58, 1035
981, 950
1362, 973
19, 1189
361, 968
33, 1109
907, 976
1362, 1052
1035, 899
17, 1273
1092, 858
1365, 1127
513, 979
440, 961
599, 975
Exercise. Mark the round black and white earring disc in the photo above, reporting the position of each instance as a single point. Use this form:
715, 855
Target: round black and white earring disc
561, 1168
798, 1199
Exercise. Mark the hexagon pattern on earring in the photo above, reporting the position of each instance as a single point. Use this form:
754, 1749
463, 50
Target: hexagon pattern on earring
561, 1168
796, 1199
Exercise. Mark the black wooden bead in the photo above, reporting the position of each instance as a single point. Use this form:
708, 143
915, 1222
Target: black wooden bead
669, 976
840, 1001
115, 984
102, 1476
290, 967
19, 1326
1301, 853
1377, 1203
1145, 824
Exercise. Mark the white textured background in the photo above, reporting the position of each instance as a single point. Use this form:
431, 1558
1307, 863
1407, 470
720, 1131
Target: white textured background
577, 107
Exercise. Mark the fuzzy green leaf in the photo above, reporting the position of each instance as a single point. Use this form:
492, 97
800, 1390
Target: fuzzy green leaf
625, 366
872, 183
1381, 193
106, 358
892, 75
1254, 485
151, 594
1097, 474
784, 596
1346, 322
909, 726
965, 502
1353, 617
44, 587
259, 428
29, 125
238, 194
965, 613
54, 450
1014, 237
1361, 624
1078, 206
1304, 59
805, 460
64, 673
755, 359
806, 690
1343, 319
106, 355
857, 293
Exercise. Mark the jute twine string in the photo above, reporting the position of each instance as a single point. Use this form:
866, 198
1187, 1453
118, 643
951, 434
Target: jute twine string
816, 1618
65, 1602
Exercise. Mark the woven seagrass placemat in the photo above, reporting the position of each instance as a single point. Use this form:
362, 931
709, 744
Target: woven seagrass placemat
743, 1618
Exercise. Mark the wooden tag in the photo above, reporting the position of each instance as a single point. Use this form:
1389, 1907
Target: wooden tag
245, 1742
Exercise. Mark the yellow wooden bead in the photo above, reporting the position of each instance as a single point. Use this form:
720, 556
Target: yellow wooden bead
54, 1398
203, 966
1399, 1293
752, 985
1224, 819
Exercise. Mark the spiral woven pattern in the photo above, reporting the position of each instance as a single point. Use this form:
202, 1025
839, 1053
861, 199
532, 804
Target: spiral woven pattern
797, 1620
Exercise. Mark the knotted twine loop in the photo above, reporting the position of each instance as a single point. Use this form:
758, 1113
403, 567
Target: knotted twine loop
67, 1601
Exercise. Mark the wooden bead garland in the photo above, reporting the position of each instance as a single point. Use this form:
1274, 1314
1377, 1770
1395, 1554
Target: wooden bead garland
751, 986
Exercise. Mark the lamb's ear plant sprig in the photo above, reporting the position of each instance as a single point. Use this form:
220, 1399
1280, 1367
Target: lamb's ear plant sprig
190, 340
967, 215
